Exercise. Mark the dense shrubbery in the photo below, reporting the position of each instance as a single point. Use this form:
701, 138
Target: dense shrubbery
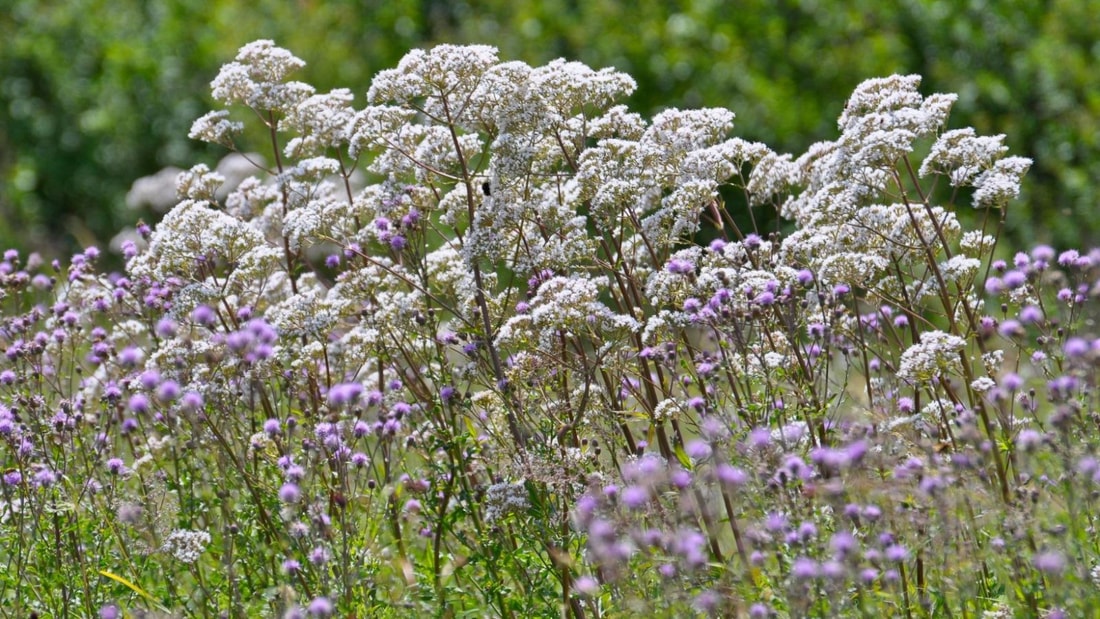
95, 94
503, 375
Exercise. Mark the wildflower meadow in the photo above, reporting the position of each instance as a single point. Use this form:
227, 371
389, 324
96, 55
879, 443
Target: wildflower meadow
492, 344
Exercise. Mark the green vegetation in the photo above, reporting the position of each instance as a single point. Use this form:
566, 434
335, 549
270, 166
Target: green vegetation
94, 94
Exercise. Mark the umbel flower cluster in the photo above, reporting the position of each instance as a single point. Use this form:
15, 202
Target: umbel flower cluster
492, 343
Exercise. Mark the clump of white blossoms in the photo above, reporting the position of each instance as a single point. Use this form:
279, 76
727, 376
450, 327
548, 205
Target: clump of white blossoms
186, 545
936, 354
493, 227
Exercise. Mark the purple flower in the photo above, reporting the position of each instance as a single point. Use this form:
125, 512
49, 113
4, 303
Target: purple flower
272, 427
896, 553
765, 298
1050, 562
1076, 347
45, 478
586, 585
1011, 328
634, 497
319, 555
1028, 440
109, 611
344, 393
320, 607
290, 566
1014, 279
775, 522
204, 315
843, 543
115, 466
168, 391
833, 569
680, 478
731, 475
1030, 314
680, 266
290, 493
191, 401
139, 403
1012, 381
698, 450
130, 357
804, 568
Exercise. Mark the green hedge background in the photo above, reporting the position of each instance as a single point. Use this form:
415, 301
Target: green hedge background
96, 93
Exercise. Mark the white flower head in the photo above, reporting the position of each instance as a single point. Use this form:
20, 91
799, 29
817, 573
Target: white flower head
215, 128
186, 545
198, 183
257, 78
937, 353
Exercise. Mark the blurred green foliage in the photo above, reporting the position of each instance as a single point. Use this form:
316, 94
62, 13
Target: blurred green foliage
96, 93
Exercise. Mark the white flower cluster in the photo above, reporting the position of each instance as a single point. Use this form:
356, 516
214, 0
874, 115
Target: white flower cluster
503, 499
186, 545
565, 306
257, 79
936, 354
519, 209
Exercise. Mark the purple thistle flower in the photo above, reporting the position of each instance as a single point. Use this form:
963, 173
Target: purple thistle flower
843, 543
139, 403
1076, 347
168, 391
320, 607
896, 553
1049, 562
1030, 314
698, 450
680, 266
680, 479
634, 497
191, 401
833, 570
1011, 328
759, 611
731, 476
45, 478
586, 585
290, 493
344, 393
1028, 440
204, 315
130, 357
804, 568
115, 466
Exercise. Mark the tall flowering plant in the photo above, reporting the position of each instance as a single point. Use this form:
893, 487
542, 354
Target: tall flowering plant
495, 344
